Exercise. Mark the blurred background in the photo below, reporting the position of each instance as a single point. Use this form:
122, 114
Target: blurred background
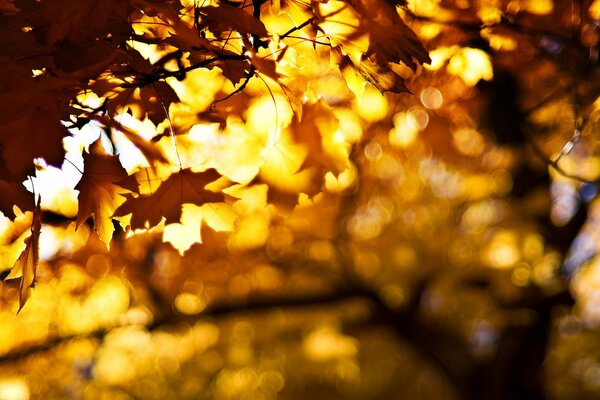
453, 254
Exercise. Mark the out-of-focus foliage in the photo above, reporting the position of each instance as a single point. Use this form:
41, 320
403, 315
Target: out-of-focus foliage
288, 199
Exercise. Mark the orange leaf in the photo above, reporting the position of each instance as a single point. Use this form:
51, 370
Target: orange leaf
390, 40
26, 265
230, 18
102, 181
182, 187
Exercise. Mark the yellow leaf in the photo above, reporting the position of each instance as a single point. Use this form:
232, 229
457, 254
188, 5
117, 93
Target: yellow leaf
184, 234
26, 265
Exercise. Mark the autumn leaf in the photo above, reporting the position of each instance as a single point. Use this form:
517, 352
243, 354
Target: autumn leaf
36, 133
390, 40
381, 77
14, 194
182, 236
103, 180
264, 64
86, 20
140, 101
315, 130
182, 187
370, 35
149, 149
26, 265
226, 17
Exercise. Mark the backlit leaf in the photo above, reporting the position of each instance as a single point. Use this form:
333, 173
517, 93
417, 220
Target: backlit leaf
26, 265
103, 180
226, 17
182, 187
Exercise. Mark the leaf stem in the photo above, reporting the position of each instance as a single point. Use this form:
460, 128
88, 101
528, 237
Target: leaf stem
171, 130
74, 166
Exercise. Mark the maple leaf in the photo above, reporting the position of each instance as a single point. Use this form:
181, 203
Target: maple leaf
86, 20
14, 194
390, 40
181, 187
226, 17
370, 35
149, 149
264, 64
182, 236
37, 133
30, 119
27, 262
140, 101
234, 70
315, 130
103, 179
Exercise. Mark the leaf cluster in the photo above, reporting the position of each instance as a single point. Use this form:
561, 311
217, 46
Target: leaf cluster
105, 62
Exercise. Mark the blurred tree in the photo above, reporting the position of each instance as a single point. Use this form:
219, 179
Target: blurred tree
294, 199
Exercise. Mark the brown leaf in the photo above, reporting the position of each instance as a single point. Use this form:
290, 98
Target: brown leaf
14, 194
234, 70
37, 133
265, 65
85, 21
226, 17
151, 152
150, 100
26, 265
370, 35
390, 40
182, 187
102, 181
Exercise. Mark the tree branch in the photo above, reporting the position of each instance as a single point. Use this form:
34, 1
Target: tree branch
259, 303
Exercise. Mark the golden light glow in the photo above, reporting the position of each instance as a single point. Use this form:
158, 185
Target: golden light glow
471, 65
502, 181
594, 10
373, 105
405, 130
251, 231
521, 275
439, 57
503, 250
498, 41
431, 98
490, 13
468, 141
540, 7
327, 343
349, 124
544, 271
189, 303
14, 389
533, 247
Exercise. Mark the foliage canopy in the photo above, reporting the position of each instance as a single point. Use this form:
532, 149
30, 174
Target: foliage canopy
407, 152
